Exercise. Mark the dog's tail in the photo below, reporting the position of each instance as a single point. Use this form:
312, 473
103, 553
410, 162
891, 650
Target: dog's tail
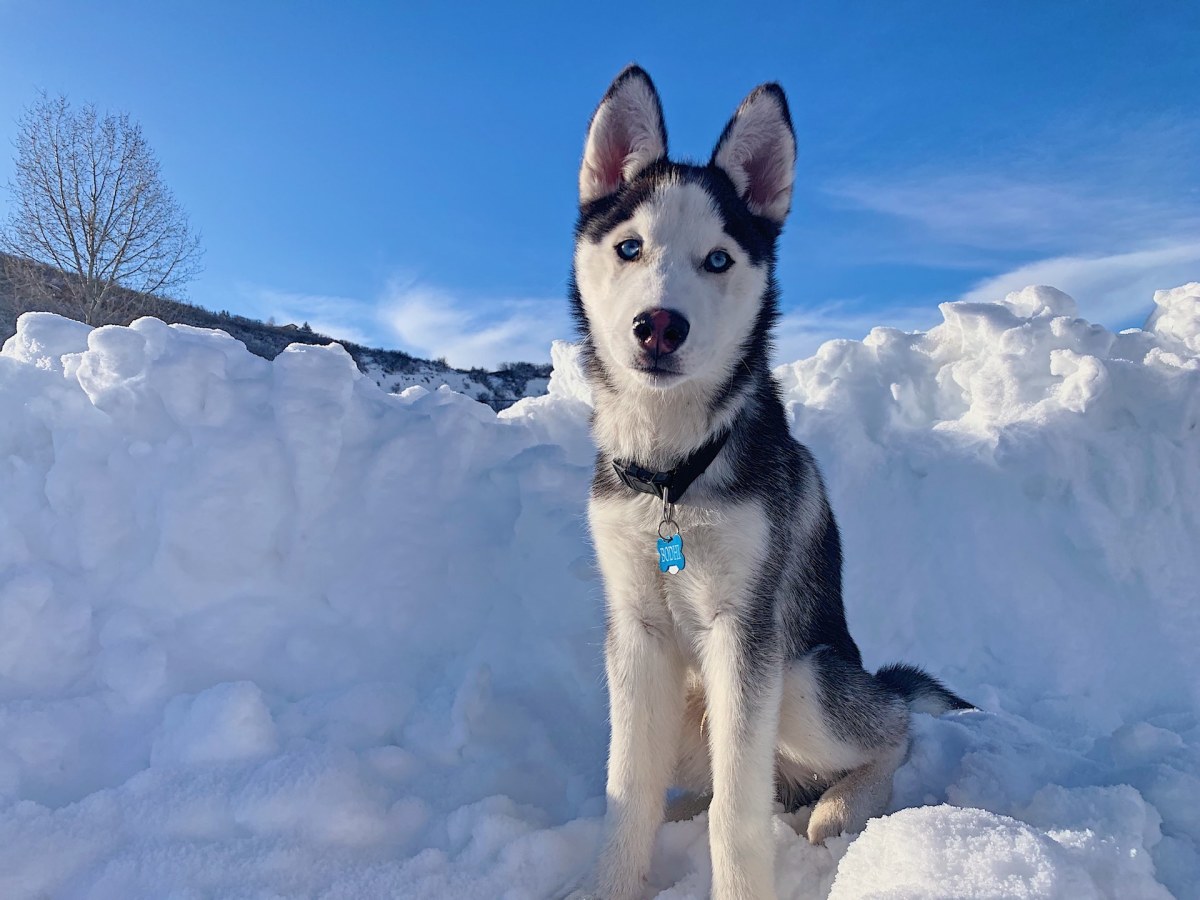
921, 691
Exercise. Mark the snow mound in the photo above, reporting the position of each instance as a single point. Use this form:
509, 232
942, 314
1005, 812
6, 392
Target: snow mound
266, 630
225, 723
953, 852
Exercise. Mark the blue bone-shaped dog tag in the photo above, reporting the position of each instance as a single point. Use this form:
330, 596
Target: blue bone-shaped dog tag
670, 555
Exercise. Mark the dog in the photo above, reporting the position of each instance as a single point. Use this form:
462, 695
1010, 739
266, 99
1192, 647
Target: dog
731, 672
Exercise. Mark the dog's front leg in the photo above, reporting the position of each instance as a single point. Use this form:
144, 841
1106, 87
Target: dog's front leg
646, 699
743, 683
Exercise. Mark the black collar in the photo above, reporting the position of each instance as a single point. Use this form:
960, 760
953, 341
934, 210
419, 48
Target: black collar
670, 485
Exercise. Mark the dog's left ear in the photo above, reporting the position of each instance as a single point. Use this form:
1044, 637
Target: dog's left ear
757, 150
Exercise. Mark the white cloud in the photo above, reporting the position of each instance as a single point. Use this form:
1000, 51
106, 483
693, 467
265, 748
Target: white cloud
430, 321
1118, 221
1114, 290
1093, 187
341, 318
427, 321
1004, 213
801, 331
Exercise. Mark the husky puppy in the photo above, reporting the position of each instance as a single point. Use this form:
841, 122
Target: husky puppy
731, 672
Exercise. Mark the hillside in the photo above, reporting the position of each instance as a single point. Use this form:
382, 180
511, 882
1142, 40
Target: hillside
392, 370
266, 630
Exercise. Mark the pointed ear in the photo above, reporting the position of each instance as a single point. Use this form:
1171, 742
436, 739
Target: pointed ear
757, 150
627, 134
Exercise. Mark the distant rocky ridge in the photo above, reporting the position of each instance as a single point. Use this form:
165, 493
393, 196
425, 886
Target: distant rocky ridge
392, 370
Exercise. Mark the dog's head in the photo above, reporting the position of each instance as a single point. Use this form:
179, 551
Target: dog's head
674, 262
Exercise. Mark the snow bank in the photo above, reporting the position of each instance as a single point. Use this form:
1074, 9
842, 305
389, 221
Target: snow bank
266, 630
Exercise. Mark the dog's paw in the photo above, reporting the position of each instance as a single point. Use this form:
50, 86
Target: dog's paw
830, 817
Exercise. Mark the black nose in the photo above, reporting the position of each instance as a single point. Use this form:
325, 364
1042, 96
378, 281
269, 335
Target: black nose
660, 331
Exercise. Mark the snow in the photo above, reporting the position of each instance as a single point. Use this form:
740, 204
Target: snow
269, 631
497, 389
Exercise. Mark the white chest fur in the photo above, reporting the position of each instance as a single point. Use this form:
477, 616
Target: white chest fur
724, 549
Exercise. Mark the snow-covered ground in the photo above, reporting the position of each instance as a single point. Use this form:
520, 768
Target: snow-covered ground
498, 390
268, 631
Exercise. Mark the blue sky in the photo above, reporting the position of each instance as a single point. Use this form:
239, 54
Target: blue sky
404, 174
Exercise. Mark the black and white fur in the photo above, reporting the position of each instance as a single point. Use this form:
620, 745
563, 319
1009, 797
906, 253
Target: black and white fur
736, 678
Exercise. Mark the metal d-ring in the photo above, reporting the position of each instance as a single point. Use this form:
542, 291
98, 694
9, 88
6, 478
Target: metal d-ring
668, 515
669, 524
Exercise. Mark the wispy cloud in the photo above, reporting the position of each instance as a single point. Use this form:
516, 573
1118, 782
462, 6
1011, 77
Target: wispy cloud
484, 332
426, 320
801, 331
1106, 214
342, 318
1094, 193
1115, 290
1002, 213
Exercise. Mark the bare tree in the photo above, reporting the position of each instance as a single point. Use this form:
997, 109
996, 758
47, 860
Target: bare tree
90, 203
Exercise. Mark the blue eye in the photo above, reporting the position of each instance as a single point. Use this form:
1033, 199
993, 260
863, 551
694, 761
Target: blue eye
717, 261
630, 249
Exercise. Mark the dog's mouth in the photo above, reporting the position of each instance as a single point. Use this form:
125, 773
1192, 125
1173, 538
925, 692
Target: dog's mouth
657, 371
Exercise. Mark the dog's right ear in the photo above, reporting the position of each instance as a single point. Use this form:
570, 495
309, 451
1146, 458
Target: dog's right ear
627, 134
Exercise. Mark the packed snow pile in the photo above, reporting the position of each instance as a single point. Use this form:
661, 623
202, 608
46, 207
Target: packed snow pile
266, 630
